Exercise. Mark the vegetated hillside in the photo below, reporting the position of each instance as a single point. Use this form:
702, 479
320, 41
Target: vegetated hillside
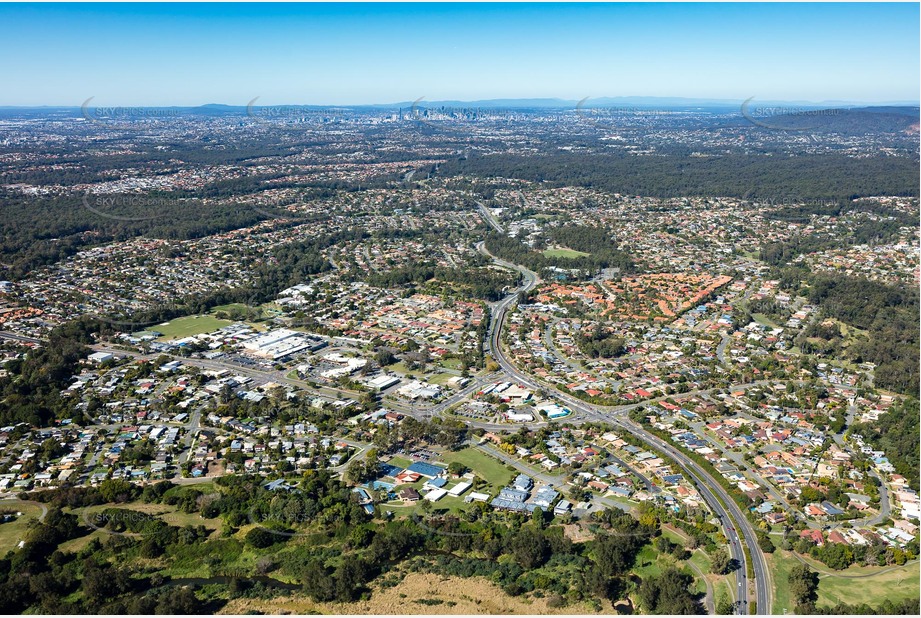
888, 312
802, 177
317, 538
595, 241
856, 121
896, 433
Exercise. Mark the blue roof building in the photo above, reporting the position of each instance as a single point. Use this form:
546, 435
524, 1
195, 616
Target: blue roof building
426, 469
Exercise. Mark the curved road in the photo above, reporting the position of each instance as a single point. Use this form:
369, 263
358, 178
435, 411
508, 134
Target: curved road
730, 515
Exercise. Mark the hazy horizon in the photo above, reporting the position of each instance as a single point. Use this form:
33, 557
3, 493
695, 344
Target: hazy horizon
549, 102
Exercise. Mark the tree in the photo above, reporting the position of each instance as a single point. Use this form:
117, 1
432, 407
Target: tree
457, 468
615, 554
669, 593
803, 585
764, 541
529, 547
261, 538
539, 518
362, 470
724, 605
836, 555
117, 490
720, 561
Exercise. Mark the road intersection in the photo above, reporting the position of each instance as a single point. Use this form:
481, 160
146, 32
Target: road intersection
738, 531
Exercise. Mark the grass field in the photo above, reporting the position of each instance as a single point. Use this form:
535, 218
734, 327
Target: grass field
440, 378
229, 307
492, 470
190, 325
871, 586
75, 545
400, 368
896, 585
452, 363
648, 563
723, 587
564, 253
402, 462
14, 531
167, 513
779, 564
701, 560
762, 319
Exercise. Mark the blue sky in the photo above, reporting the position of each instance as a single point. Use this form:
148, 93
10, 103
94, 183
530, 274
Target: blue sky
169, 54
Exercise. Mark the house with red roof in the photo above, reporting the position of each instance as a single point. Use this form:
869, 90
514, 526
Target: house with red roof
813, 535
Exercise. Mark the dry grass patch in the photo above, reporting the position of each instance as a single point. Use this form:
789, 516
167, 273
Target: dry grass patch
458, 595
577, 533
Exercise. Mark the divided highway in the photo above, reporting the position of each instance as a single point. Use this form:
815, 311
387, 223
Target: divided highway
736, 527
738, 530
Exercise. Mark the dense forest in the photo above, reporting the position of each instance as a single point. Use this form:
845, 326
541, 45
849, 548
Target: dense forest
734, 175
596, 241
866, 232
803, 213
30, 390
42, 230
858, 122
481, 283
889, 316
37, 232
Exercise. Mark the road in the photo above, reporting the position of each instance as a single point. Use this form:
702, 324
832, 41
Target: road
730, 515
20, 338
741, 464
547, 479
191, 432
550, 344
650, 487
884, 506
43, 507
490, 218
721, 348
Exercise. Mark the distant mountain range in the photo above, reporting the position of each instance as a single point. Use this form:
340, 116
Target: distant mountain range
537, 103
639, 102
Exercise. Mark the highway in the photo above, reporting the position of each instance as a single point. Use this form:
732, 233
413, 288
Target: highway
490, 219
737, 529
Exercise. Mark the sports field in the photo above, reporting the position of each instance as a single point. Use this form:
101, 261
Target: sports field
189, 325
564, 253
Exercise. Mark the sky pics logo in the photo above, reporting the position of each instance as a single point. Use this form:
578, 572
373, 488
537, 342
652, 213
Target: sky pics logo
785, 118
